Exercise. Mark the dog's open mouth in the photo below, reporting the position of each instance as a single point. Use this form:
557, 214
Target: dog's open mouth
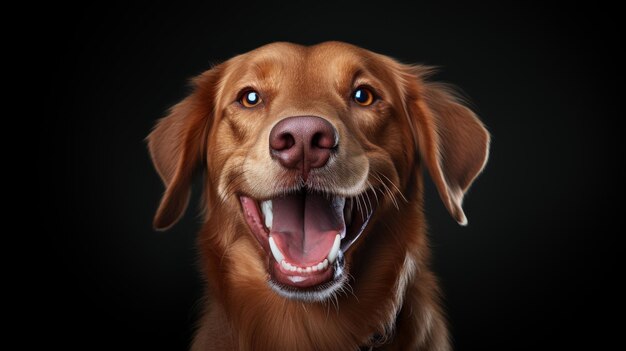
305, 235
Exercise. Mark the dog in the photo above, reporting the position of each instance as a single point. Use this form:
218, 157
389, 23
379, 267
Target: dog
311, 157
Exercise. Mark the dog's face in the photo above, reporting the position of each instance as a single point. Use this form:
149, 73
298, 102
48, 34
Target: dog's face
305, 147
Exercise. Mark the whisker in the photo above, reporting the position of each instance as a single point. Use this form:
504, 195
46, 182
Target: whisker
336, 303
349, 286
327, 303
396, 187
369, 184
358, 204
362, 207
371, 209
388, 191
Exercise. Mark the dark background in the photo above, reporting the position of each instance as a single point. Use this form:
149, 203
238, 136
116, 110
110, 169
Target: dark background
533, 270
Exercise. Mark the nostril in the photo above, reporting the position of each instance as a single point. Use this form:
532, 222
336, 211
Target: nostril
283, 141
324, 140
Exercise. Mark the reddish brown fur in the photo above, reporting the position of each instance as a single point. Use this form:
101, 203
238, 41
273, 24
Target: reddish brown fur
392, 292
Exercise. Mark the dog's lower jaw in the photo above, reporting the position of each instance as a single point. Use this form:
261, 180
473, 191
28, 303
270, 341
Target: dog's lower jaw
319, 293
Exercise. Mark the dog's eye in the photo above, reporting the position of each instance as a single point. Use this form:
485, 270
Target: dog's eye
250, 98
363, 96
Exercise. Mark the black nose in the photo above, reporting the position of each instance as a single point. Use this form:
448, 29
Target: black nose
303, 142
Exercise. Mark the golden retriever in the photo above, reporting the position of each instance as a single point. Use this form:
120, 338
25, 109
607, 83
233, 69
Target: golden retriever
314, 235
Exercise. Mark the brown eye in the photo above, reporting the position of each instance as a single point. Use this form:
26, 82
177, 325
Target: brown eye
363, 96
250, 99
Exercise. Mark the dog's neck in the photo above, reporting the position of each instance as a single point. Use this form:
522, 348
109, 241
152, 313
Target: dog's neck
351, 320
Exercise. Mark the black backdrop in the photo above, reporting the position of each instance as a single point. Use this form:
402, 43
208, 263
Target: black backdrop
532, 269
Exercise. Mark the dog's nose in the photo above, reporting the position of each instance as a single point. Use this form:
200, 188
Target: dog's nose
303, 142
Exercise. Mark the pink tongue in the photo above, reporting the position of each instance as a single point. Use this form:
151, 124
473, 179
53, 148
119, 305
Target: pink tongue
304, 227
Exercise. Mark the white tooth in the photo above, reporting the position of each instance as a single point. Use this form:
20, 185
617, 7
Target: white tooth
309, 269
278, 256
300, 270
325, 264
292, 268
295, 278
266, 208
334, 251
314, 268
284, 264
320, 266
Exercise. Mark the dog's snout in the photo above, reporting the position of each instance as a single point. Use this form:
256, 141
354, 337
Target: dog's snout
303, 142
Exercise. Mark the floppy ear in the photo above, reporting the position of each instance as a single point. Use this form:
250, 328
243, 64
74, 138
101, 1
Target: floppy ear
177, 145
452, 141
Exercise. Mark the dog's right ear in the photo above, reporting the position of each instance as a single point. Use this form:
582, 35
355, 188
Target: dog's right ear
177, 146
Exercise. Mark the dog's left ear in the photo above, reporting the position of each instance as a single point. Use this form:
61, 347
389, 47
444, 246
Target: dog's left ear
177, 147
452, 141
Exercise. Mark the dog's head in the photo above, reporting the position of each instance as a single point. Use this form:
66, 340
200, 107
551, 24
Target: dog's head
308, 146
